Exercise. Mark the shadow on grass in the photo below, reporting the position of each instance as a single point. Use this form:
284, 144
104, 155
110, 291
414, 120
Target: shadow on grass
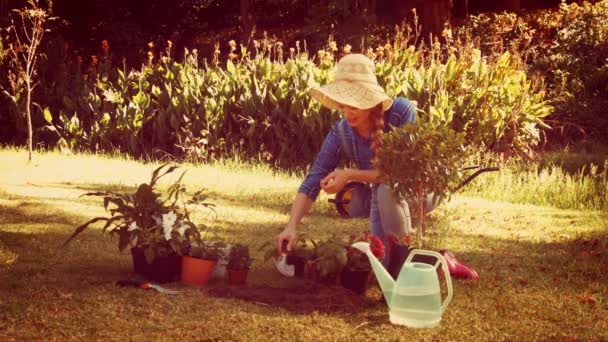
94, 187
519, 271
28, 211
305, 298
275, 201
507, 268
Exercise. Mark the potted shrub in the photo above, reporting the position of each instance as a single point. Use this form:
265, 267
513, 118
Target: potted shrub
328, 259
355, 274
200, 261
157, 230
239, 263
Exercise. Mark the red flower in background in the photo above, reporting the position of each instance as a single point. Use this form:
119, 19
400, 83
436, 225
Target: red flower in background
376, 246
407, 239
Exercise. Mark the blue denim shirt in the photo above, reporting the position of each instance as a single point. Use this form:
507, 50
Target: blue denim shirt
359, 149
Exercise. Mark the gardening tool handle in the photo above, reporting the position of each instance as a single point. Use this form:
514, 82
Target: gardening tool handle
130, 283
446, 271
474, 175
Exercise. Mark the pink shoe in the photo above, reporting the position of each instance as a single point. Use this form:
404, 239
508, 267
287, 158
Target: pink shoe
458, 269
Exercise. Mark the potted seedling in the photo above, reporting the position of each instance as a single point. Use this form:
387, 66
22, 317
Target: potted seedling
201, 260
328, 259
156, 229
239, 263
355, 274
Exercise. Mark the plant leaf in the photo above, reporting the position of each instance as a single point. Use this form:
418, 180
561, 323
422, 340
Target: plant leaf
124, 238
83, 227
47, 115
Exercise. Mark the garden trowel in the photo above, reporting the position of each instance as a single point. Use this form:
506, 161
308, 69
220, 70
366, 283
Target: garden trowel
281, 263
146, 285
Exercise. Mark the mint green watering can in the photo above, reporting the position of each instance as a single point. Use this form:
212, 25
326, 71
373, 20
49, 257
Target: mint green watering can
414, 300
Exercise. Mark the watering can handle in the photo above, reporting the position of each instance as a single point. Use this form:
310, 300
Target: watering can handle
446, 272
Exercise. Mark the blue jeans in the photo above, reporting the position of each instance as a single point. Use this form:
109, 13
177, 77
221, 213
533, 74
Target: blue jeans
388, 216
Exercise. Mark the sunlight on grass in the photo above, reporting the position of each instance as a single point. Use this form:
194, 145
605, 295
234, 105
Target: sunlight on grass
538, 262
548, 186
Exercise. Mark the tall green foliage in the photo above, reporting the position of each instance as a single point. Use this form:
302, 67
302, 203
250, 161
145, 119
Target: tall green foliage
256, 102
467, 103
568, 48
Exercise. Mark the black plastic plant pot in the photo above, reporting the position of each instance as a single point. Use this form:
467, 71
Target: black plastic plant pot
162, 269
355, 280
299, 264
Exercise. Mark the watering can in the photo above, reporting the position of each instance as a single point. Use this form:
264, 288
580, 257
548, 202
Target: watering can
414, 299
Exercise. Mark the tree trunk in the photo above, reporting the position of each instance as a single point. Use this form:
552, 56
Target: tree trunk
4, 11
28, 117
247, 15
433, 16
461, 8
391, 11
513, 5
420, 229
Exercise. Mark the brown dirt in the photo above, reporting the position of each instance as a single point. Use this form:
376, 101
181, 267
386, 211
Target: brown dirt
302, 299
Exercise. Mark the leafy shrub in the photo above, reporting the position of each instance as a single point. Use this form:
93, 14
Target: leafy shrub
568, 48
260, 105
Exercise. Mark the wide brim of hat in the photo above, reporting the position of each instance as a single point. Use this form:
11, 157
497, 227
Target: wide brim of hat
355, 94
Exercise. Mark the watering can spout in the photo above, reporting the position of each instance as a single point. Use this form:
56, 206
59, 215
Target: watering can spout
387, 283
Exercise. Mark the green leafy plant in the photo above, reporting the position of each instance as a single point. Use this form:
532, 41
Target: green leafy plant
329, 257
208, 249
144, 220
239, 258
422, 159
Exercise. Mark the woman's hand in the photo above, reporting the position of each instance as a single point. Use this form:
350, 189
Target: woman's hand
335, 181
288, 234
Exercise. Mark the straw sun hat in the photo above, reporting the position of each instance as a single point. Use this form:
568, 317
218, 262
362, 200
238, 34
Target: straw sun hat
355, 85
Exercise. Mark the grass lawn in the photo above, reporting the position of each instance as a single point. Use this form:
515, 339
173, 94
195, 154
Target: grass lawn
543, 271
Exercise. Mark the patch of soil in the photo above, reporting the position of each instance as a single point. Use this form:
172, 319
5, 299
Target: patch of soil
302, 299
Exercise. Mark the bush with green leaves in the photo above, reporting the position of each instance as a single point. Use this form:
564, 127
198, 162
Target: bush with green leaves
261, 106
567, 49
466, 103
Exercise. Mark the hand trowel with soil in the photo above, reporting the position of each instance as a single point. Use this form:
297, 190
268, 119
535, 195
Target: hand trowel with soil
281, 263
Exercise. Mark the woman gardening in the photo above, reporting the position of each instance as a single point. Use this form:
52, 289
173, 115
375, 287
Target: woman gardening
368, 112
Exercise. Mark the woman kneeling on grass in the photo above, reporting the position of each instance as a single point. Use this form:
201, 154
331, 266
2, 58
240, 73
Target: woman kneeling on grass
368, 112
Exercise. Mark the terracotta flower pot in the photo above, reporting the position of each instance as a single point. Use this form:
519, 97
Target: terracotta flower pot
161, 270
196, 271
237, 277
355, 280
